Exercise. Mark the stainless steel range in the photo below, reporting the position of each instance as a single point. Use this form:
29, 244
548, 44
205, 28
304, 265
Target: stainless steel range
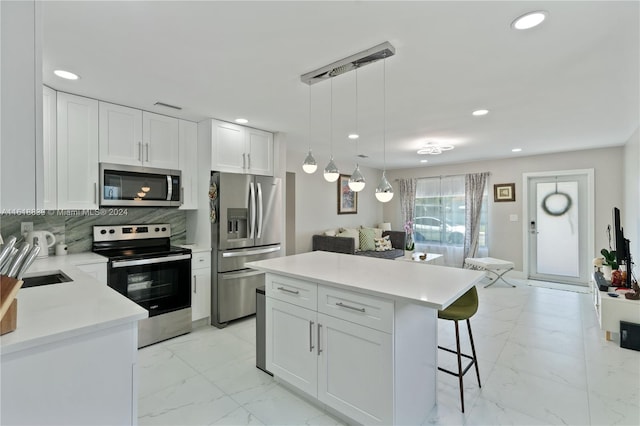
144, 267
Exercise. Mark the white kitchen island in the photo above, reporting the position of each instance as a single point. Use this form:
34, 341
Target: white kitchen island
72, 358
359, 334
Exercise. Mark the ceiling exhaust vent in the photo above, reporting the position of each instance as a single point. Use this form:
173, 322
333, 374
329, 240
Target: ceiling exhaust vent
366, 57
162, 104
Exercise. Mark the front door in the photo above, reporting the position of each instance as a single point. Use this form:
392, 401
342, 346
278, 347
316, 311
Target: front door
558, 240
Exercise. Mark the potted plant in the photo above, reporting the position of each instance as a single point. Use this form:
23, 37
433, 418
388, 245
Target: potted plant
609, 263
410, 245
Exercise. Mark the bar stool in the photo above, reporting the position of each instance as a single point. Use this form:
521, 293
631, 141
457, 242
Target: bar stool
462, 309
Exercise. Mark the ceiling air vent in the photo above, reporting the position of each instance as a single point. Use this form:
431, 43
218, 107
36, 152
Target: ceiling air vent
366, 57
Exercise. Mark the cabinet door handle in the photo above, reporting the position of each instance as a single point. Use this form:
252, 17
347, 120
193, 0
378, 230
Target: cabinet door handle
139, 151
195, 284
342, 305
289, 291
147, 151
249, 160
311, 336
319, 348
95, 192
244, 160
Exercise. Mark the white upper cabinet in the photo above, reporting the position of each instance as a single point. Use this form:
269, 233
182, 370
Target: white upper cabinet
238, 149
120, 134
77, 152
160, 140
189, 164
259, 146
49, 148
139, 138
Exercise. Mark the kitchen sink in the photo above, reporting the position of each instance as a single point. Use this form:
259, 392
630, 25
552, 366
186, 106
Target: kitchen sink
45, 278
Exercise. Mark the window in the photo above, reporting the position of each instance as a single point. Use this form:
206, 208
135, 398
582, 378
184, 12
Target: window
439, 217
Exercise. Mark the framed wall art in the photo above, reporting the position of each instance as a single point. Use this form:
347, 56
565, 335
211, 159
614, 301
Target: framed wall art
347, 199
504, 192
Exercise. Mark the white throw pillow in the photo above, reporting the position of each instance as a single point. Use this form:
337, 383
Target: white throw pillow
351, 233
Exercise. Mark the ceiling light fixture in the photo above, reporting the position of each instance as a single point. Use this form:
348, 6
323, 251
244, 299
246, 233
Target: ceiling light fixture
309, 165
384, 190
331, 172
529, 20
434, 148
424, 161
480, 112
356, 181
67, 75
241, 120
516, 150
360, 59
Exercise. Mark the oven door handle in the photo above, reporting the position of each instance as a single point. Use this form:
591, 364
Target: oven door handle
138, 262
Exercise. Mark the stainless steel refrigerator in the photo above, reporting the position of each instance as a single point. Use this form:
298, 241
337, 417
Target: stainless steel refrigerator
246, 212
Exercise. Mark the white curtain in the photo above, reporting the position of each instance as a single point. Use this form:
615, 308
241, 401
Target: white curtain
475, 184
407, 188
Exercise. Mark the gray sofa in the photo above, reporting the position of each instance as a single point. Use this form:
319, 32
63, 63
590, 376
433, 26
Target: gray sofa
348, 245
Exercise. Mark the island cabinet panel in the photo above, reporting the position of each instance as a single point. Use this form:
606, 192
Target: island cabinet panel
83, 380
335, 357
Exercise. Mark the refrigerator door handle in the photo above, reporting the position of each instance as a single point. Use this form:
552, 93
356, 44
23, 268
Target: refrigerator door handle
241, 274
250, 252
260, 207
252, 210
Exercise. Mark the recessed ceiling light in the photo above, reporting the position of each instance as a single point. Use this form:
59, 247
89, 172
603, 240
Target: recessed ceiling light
516, 150
353, 136
529, 20
242, 120
424, 161
66, 75
480, 112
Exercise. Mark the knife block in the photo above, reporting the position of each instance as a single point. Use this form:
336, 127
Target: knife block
8, 303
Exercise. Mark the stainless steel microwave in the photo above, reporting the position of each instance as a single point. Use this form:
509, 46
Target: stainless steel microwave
137, 186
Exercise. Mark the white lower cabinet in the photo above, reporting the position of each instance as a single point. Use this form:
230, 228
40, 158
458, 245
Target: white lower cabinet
355, 374
291, 353
200, 285
345, 365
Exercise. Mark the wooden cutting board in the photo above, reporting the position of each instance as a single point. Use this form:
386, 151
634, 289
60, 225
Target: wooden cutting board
8, 304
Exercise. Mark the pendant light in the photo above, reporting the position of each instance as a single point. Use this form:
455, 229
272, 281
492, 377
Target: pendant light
384, 191
309, 165
356, 181
331, 172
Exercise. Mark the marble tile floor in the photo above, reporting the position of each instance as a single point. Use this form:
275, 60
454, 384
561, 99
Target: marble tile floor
543, 361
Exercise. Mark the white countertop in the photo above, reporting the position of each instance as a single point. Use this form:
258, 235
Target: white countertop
195, 248
55, 312
430, 285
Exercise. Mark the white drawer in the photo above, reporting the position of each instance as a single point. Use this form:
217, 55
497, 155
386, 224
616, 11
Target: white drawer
201, 260
370, 311
297, 292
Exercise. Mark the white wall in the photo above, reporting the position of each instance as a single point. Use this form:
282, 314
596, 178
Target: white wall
317, 202
505, 237
630, 210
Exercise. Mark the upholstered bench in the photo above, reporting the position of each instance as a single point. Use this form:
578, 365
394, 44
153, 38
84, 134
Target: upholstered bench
497, 267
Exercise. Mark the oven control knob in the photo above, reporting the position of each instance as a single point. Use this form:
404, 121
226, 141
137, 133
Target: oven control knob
112, 231
103, 231
157, 229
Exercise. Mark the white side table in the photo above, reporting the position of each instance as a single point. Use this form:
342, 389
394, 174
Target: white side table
432, 258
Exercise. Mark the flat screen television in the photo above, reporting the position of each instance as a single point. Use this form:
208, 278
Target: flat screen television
623, 256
